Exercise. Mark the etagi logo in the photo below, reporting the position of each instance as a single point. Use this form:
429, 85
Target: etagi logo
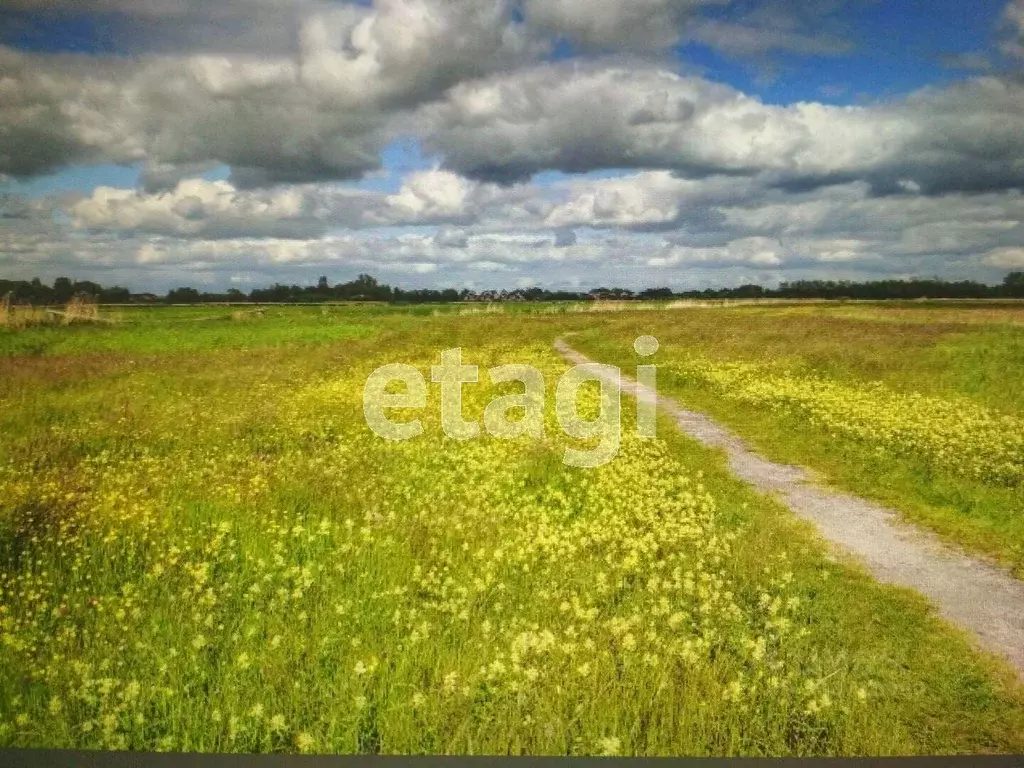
451, 375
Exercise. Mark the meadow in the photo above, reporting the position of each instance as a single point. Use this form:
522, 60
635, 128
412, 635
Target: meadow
918, 405
204, 548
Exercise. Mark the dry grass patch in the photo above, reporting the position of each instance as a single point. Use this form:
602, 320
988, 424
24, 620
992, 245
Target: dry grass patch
81, 308
16, 317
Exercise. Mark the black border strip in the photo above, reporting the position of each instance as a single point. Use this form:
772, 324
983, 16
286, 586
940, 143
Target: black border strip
57, 758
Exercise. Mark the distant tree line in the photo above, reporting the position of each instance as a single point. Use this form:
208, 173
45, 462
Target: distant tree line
35, 291
366, 288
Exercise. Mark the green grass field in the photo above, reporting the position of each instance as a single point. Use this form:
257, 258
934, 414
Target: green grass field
939, 436
204, 548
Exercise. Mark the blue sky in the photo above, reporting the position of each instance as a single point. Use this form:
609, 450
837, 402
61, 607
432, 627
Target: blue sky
897, 46
92, 33
194, 95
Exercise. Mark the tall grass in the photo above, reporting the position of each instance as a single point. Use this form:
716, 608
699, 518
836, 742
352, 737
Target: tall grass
81, 309
17, 317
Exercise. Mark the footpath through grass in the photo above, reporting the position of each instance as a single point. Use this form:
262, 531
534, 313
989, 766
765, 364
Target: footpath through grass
210, 551
922, 410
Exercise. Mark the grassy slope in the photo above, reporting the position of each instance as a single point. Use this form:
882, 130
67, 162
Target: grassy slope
223, 424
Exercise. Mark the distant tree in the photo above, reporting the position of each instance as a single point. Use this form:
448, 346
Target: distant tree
39, 292
276, 293
87, 287
1013, 285
748, 292
368, 280
63, 290
534, 294
114, 295
367, 288
183, 296
656, 293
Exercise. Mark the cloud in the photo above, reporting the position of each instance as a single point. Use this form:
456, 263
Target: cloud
565, 237
452, 238
847, 224
652, 219
281, 90
321, 109
652, 197
755, 251
769, 236
1013, 26
755, 31
735, 29
406, 51
252, 114
161, 177
208, 209
646, 200
52, 115
443, 197
420, 39
965, 137
583, 117
744, 40
972, 61
434, 196
168, 26
576, 118
615, 24
198, 208
1011, 257
14, 207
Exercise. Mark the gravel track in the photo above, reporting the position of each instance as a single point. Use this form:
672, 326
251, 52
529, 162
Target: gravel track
981, 598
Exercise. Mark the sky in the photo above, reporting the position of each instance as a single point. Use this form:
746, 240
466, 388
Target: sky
510, 143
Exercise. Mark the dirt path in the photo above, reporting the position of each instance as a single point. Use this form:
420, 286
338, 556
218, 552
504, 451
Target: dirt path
974, 595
